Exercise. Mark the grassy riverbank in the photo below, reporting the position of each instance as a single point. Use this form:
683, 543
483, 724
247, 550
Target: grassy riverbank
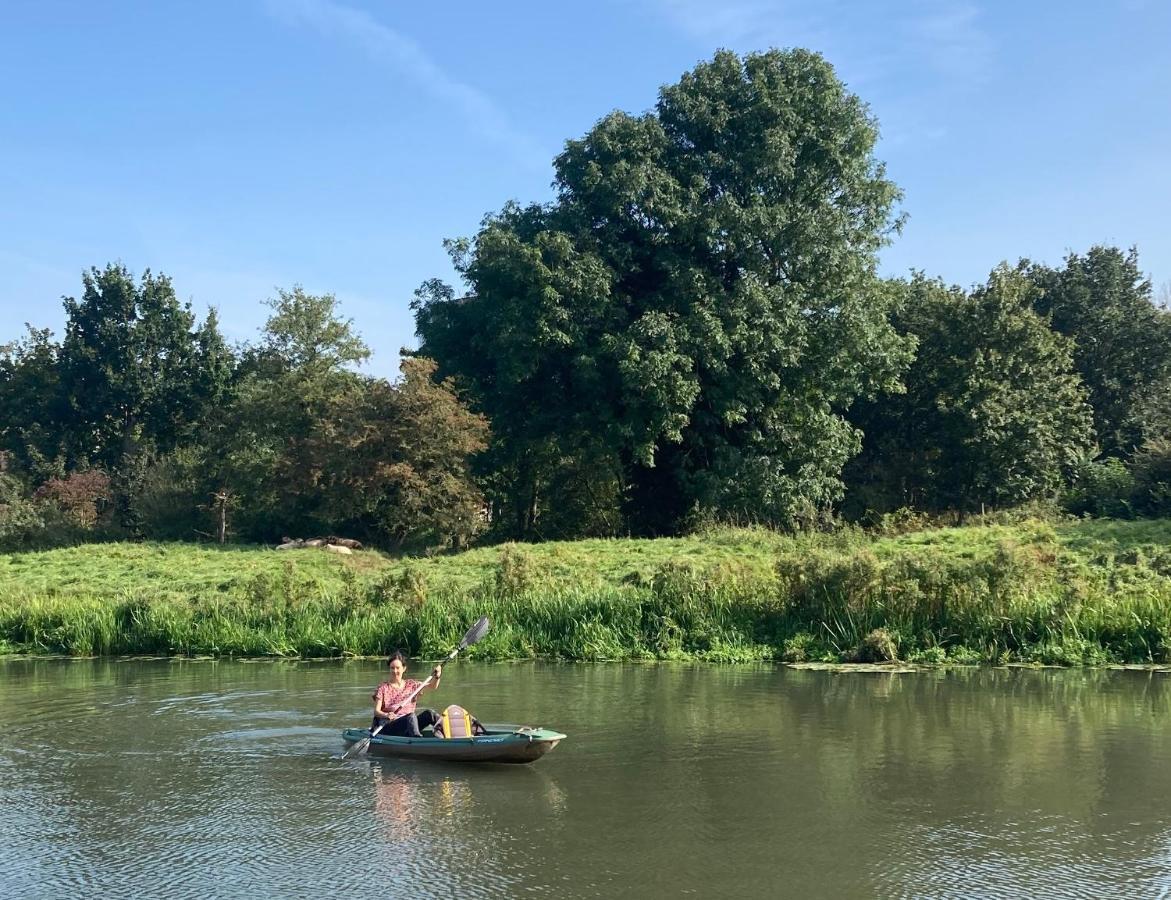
1084, 592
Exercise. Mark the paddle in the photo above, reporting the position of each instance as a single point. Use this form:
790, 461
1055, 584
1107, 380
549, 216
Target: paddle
476, 632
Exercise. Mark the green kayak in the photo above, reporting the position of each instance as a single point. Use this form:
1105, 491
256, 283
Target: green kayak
498, 744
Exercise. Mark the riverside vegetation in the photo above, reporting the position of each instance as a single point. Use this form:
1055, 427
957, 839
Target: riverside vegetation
693, 331
1073, 592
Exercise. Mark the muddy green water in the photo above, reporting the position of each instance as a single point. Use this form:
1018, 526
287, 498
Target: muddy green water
220, 779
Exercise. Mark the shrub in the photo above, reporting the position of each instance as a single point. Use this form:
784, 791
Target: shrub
1152, 476
1102, 488
801, 647
878, 646
20, 518
168, 497
515, 572
931, 656
407, 587
964, 656
66, 511
83, 497
901, 521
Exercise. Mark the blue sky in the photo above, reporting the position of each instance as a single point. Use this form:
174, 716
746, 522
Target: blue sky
239, 146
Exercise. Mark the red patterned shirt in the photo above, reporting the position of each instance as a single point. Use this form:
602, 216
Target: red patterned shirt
391, 697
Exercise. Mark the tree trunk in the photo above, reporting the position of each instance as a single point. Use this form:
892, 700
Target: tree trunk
221, 505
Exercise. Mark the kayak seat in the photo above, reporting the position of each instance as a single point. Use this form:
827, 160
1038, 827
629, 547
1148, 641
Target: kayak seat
457, 722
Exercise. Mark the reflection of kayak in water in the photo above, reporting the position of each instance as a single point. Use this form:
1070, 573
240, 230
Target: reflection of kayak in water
498, 743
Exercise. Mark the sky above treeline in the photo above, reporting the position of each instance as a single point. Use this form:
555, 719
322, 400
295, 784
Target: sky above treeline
240, 146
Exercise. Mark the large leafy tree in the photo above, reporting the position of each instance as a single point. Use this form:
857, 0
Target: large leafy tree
33, 409
311, 446
993, 411
136, 371
308, 446
696, 310
271, 451
401, 461
1121, 342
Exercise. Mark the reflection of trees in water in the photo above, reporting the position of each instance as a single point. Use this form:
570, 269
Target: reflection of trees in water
146, 754
1026, 777
898, 776
860, 769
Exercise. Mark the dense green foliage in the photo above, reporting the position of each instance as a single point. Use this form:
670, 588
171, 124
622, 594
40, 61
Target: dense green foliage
993, 412
1069, 593
1121, 343
135, 371
691, 333
281, 438
133, 374
693, 314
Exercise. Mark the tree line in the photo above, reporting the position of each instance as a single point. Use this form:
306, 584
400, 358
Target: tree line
143, 422
693, 330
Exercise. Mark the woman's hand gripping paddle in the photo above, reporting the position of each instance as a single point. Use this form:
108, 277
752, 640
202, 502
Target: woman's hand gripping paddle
474, 634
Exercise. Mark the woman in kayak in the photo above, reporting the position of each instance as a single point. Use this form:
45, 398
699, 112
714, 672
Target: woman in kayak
390, 712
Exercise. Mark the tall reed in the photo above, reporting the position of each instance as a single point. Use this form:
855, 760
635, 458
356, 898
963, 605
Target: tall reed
1030, 593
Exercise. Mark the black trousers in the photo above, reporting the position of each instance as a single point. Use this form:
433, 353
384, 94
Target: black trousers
408, 725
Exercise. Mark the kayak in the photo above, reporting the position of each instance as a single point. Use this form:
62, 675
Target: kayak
498, 744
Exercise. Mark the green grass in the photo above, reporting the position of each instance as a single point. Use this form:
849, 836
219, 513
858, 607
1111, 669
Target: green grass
1078, 592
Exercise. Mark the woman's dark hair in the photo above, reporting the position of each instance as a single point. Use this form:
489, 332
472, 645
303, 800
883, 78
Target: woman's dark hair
400, 655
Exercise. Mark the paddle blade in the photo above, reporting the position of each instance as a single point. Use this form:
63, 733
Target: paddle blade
359, 747
476, 632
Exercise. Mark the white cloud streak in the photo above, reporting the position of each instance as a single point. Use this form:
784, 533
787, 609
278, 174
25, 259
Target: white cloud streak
739, 22
385, 45
951, 39
866, 41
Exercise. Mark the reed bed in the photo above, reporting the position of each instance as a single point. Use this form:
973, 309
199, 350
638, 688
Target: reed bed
1072, 593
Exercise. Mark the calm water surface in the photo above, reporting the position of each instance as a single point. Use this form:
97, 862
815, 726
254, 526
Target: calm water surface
220, 779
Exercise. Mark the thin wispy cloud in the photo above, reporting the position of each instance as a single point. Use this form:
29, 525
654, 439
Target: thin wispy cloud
387, 46
942, 38
951, 39
739, 22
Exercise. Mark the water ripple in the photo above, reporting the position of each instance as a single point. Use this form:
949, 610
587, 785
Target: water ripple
211, 779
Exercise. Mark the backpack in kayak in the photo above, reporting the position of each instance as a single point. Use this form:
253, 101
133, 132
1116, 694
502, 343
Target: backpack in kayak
457, 722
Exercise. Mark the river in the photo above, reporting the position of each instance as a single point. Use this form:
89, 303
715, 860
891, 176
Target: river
206, 778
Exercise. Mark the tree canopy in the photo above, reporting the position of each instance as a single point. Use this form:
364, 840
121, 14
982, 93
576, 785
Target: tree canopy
1121, 342
134, 374
993, 411
144, 422
696, 310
